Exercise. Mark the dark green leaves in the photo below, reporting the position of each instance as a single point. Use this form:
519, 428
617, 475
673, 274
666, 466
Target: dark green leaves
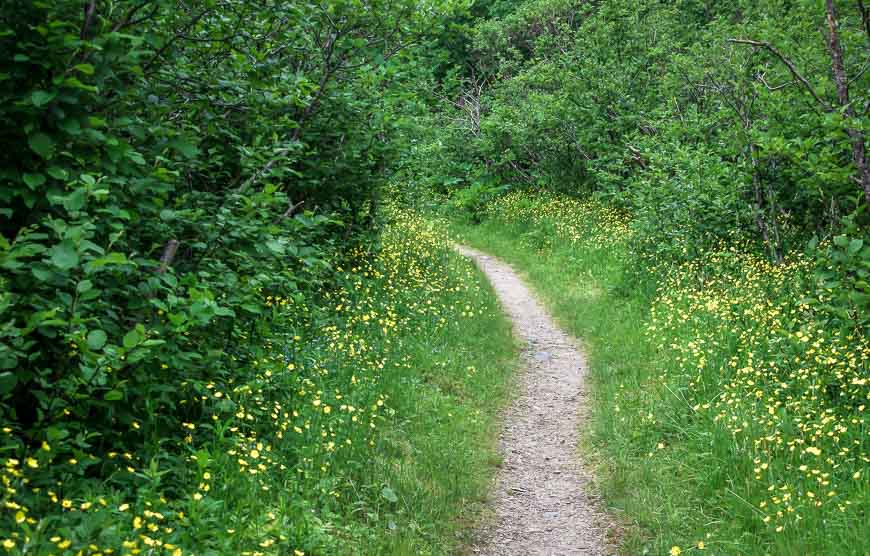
42, 144
132, 338
33, 181
113, 396
86, 69
186, 149
41, 98
64, 255
8, 380
96, 339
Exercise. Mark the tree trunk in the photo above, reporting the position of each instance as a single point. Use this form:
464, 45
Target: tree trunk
859, 150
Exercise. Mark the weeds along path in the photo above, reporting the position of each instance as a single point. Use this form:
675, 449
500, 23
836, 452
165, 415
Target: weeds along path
542, 503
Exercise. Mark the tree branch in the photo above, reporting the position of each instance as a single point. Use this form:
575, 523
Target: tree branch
168, 255
90, 12
290, 210
170, 42
128, 17
865, 17
859, 149
789, 64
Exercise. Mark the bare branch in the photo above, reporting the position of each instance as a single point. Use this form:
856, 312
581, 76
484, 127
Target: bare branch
289, 212
789, 64
90, 12
168, 255
127, 20
190, 24
770, 87
279, 155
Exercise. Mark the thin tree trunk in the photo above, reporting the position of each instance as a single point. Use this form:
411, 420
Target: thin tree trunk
865, 17
859, 151
772, 244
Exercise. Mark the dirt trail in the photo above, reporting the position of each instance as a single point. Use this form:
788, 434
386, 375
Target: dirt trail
541, 504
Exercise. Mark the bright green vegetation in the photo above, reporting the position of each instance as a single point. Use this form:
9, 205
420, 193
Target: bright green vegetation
187, 187
687, 184
361, 422
213, 340
724, 413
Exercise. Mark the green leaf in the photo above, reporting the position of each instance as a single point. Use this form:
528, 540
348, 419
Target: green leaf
202, 458
41, 98
54, 433
75, 200
71, 126
86, 69
42, 274
224, 312
132, 339
8, 360
84, 286
855, 245
74, 83
64, 255
110, 259
8, 380
33, 180
57, 173
42, 144
251, 308
88, 372
113, 396
187, 150
96, 339
388, 495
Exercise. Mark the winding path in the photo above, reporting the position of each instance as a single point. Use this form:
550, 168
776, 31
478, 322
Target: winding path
542, 504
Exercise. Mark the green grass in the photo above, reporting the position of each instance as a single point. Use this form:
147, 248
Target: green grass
670, 474
441, 450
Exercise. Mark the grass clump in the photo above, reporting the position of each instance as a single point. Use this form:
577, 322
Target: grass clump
729, 415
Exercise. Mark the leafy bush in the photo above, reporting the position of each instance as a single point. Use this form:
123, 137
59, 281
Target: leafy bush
157, 263
474, 198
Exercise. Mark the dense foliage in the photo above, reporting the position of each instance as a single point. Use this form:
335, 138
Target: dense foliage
195, 308
706, 120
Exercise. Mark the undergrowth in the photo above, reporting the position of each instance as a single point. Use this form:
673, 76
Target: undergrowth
727, 417
359, 424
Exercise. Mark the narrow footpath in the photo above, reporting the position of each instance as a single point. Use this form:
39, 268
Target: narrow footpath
541, 504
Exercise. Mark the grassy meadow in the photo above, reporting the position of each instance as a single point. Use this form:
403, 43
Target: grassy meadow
727, 420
